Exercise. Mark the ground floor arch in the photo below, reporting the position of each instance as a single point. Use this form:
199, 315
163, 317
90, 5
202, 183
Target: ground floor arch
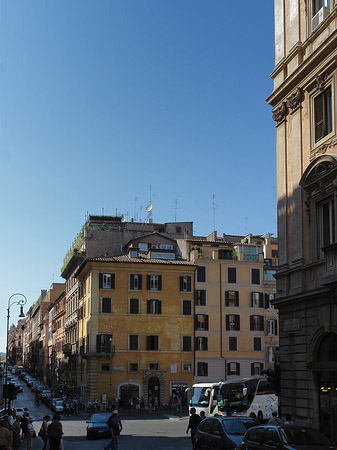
325, 377
128, 393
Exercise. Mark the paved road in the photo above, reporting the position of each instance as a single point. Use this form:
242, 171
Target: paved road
158, 431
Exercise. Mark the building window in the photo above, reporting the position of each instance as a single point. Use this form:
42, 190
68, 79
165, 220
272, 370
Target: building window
233, 344
133, 342
187, 367
256, 323
166, 246
106, 281
154, 282
103, 343
202, 369
326, 222
271, 327
201, 343
256, 368
323, 114
185, 284
153, 306
318, 4
187, 344
152, 342
231, 274
187, 307
106, 305
134, 305
105, 367
271, 354
153, 366
257, 299
200, 297
233, 368
201, 322
232, 322
142, 247
268, 298
135, 282
201, 274
268, 275
133, 367
255, 276
257, 344
232, 298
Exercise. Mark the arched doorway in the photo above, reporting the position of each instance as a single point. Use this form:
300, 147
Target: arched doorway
153, 386
327, 385
128, 393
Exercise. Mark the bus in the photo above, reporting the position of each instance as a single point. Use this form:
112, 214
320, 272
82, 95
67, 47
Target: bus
246, 396
204, 397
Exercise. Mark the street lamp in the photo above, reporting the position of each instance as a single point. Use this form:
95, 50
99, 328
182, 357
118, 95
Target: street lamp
21, 302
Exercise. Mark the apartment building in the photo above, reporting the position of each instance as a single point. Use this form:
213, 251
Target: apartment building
136, 323
304, 110
236, 324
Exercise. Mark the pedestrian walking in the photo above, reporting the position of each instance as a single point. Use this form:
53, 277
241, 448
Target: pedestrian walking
24, 424
193, 422
288, 420
55, 433
43, 433
5, 437
16, 433
274, 419
114, 427
30, 434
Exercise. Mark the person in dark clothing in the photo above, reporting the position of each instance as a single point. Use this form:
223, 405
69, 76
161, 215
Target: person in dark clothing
24, 423
194, 421
55, 433
113, 423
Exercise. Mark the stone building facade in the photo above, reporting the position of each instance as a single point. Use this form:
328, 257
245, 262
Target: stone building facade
304, 111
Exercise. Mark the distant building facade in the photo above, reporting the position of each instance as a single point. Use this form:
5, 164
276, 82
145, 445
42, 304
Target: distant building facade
236, 325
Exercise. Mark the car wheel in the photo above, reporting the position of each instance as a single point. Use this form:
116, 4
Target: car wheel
260, 416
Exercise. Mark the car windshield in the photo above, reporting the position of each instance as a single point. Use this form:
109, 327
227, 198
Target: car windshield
99, 418
303, 436
238, 426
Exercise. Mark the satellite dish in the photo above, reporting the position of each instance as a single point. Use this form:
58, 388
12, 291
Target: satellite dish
149, 208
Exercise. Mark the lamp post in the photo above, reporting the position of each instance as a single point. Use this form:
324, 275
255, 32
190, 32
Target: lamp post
21, 302
110, 366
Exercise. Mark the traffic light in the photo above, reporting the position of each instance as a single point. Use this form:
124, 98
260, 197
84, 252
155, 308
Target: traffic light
9, 391
274, 378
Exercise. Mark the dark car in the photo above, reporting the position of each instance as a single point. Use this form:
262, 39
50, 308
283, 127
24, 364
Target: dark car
284, 437
97, 426
222, 432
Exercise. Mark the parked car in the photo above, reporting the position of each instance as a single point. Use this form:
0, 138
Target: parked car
97, 426
58, 406
285, 437
20, 410
222, 432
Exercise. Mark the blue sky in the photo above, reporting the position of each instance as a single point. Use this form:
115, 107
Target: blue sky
101, 99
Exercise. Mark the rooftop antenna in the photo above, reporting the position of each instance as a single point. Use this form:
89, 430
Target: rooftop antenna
214, 207
149, 207
175, 209
135, 215
102, 211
